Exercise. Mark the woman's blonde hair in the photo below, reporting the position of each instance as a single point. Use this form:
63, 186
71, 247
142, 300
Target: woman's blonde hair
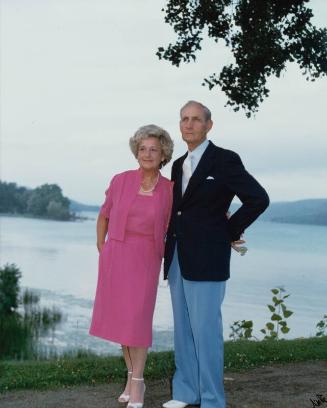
144, 132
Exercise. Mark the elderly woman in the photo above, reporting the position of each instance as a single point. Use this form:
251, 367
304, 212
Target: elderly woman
135, 217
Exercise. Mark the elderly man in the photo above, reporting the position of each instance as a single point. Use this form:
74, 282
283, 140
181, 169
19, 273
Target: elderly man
197, 254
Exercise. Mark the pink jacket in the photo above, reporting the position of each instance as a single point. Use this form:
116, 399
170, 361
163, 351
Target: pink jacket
119, 197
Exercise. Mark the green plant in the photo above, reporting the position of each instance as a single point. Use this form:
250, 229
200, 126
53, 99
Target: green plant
279, 315
86, 368
22, 320
241, 329
321, 327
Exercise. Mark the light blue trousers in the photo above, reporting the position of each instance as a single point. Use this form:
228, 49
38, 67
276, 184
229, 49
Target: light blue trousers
198, 339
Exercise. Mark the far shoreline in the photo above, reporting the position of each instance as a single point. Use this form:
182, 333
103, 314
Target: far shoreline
73, 218
76, 217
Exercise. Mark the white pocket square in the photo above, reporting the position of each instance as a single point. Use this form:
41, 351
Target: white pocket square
210, 178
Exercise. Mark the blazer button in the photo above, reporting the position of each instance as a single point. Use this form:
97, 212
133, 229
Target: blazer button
174, 235
179, 212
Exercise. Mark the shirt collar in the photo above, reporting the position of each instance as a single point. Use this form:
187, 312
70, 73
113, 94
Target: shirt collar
199, 150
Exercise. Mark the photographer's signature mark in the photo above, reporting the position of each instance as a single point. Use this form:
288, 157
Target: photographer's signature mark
321, 400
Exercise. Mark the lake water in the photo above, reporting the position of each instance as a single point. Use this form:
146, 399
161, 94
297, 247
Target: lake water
59, 260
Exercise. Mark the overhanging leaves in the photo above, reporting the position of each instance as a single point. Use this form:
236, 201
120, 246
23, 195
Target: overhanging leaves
263, 37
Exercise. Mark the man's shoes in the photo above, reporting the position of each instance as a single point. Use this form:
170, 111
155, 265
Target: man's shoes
175, 404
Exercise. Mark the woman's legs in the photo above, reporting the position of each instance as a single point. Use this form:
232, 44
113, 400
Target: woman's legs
135, 358
138, 357
127, 358
129, 367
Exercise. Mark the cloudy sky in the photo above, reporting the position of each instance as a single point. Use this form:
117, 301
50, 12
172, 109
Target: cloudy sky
78, 77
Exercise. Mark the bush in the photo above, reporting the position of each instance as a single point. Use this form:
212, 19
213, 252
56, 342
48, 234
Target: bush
21, 327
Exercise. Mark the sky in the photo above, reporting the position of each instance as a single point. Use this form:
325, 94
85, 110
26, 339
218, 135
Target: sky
79, 77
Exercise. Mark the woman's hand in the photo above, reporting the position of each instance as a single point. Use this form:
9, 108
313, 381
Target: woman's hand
102, 228
100, 246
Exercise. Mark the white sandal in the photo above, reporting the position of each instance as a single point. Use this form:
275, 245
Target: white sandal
123, 398
137, 404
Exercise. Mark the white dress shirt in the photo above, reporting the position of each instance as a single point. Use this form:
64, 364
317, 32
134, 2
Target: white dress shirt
191, 162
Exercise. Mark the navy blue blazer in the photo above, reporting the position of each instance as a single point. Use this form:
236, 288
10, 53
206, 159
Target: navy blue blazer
198, 223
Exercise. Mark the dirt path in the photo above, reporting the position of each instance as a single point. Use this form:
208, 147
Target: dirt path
280, 386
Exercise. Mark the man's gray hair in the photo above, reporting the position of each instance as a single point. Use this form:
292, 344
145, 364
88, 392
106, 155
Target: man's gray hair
206, 111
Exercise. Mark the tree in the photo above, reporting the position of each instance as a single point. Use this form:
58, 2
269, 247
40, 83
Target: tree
263, 35
13, 199
45, 201
58, 211
22, 320
40, 200
9, 290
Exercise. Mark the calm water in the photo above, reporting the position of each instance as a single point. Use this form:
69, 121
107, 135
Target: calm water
59, 259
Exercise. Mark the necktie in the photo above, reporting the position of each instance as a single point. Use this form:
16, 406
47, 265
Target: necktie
187, 171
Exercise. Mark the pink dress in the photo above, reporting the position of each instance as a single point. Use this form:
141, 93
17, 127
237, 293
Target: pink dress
129, 272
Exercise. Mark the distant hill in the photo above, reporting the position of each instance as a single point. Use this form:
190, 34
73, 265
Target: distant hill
47, 201
309, 211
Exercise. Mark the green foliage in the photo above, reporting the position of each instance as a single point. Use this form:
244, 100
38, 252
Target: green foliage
321, 327
263, 37
44, 201
245, 354
13, 199
22, 320
91, 369
39, 320
279, 315
241, 330
9, 290
47, 200
58, 211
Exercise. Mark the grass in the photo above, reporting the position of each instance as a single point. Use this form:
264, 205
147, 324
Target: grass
91, 369
247, 354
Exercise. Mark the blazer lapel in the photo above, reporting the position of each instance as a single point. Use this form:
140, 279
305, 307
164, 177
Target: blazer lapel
178, 180
161, 202
201, 171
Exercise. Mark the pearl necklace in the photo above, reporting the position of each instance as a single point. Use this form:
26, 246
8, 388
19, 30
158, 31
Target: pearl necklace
153, 187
